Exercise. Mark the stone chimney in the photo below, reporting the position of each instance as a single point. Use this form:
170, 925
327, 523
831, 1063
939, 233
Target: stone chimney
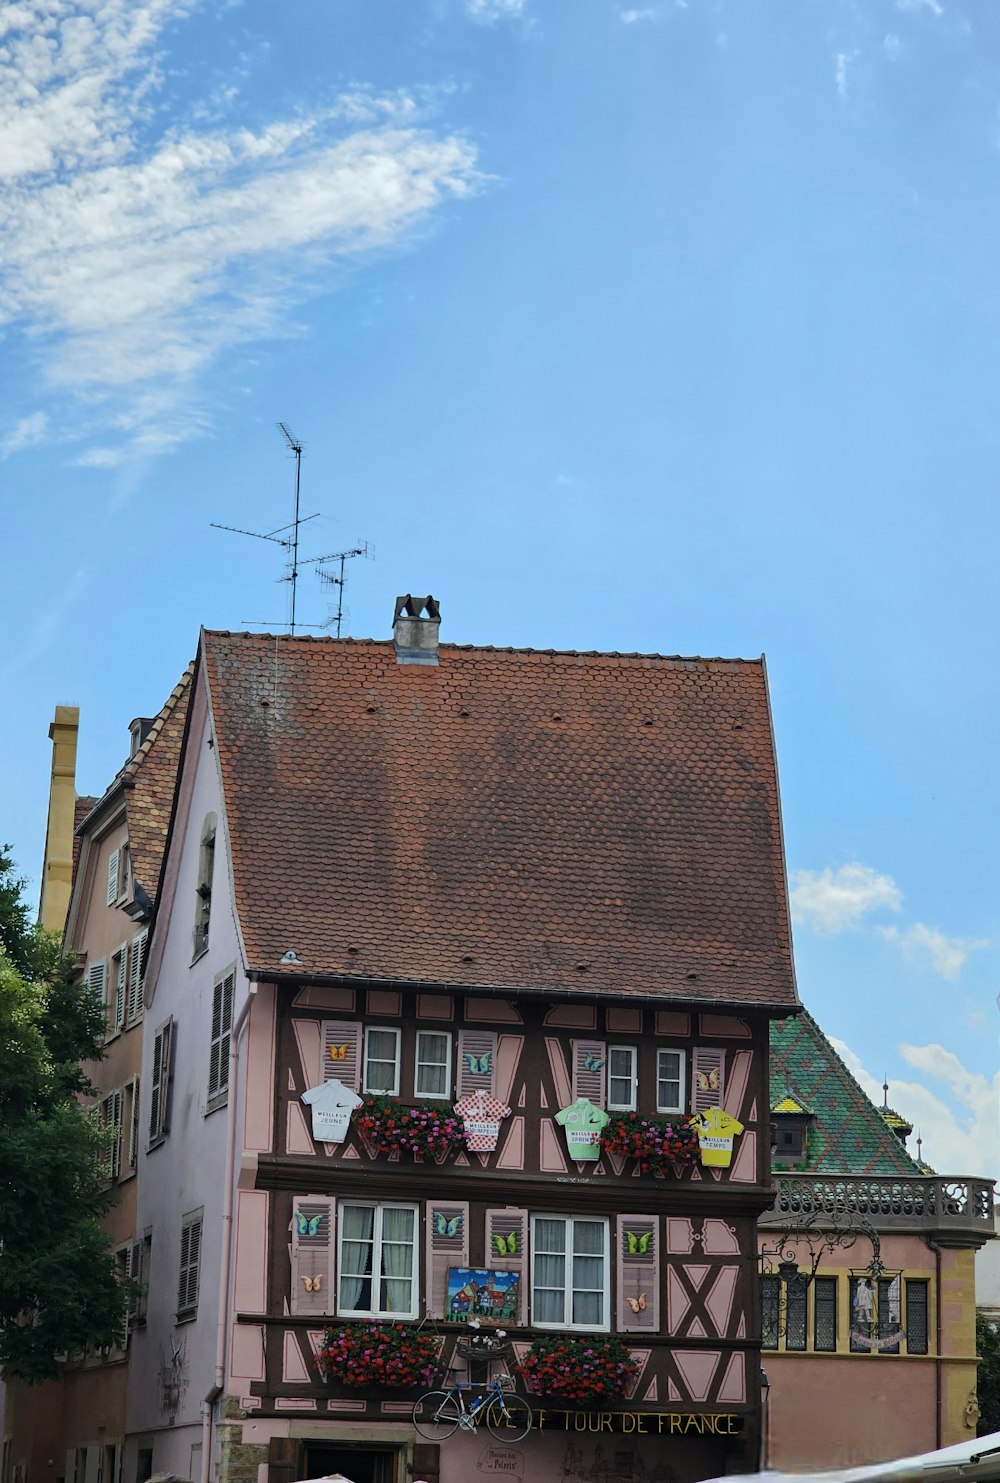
416, 637
57, 867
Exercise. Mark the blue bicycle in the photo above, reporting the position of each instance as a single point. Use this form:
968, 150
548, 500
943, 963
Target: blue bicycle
439, 1413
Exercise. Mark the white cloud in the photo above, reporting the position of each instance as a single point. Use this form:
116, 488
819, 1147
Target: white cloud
99, 458
929, 948
829, 901
28, 432
131, 259
842, 64
646, 13
892, 46
494, 10
934, 6
960, 1135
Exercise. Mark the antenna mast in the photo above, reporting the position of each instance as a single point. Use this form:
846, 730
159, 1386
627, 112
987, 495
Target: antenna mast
293, 575
339, 581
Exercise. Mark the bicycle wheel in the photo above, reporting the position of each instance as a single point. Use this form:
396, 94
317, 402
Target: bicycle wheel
509, 1418
436, 1415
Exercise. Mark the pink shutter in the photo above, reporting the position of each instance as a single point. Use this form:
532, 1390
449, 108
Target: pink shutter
708, 1078
341, 1044
590, 1066
503, 1224
477, 1062
312, 1254
638, 1285
444, 1251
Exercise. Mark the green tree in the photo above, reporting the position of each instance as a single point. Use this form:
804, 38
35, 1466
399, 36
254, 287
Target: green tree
59, 1284
988, 1384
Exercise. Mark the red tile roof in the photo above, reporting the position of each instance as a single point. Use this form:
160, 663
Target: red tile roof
149, 778
520, 819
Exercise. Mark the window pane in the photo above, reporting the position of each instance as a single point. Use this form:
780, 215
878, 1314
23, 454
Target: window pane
548, 1306
795, 1314
668, 1080
770, 1289
888, 1313
588, 1308
621, 1077
433, 1066
550, 1235
381, 1048
916, 1317
588, 1236
825, 1330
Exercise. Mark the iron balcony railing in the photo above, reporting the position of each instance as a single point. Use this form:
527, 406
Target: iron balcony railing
927, 1203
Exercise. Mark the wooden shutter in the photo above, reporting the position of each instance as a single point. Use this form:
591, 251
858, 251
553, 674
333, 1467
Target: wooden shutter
113, 860
159, 1092
115, 1119
133, 1124
444, 1251
136, 971
95, 980
121, 980
341, 1051
638, 1274
590, 1081
312, 1256
222, 1024
504, 1224
476, 1049
187, 1285
708, 1078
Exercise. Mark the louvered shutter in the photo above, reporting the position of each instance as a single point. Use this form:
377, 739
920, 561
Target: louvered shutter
503, 1224
342, 1052
95, 981
159, 1092
121, 961
477, 1062
113, 860
115, 1119
312, 1255
222, 1024
187, 1285
589, 1079
444, 1251
136, 970
639, 1274
133, 1124
708, 1078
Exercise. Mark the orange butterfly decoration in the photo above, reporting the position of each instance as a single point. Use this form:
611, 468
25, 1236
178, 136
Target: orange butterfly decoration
708, 1081
337, 1052
313, 1284
637, 1304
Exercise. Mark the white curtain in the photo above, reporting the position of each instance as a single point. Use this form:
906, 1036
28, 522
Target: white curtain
588, 1272
397, 1261
356, 1239
549, 1294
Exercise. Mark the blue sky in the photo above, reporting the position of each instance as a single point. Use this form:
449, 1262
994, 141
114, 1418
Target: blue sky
666, 326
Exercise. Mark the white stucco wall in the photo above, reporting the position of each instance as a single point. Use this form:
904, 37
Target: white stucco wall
186, 1171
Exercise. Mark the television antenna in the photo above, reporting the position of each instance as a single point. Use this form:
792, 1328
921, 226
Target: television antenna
339, 580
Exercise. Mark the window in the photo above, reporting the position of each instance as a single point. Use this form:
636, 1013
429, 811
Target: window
433, 1073
875, 1317
137, 969
378, 1261
916, 1316
670, 1081
795, 1313
118, 987
203, 890
770, 1311
222, 1029
621, 1078
111, 1122
825, 1314
187, 1284
96, 973
784, 1308
159, 1083
124, 872
132, 1121
382, 1062
569, 1287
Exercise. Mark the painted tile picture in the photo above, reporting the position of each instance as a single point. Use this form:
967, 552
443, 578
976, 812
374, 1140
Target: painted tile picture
475, 1292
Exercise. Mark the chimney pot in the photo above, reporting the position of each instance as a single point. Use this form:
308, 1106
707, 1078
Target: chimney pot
416, 637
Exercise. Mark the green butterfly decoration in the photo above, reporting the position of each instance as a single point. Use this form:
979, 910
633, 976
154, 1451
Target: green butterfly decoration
505, 1245
638, 1245
307, 1225
592, 1062
443, 1227
479, 1065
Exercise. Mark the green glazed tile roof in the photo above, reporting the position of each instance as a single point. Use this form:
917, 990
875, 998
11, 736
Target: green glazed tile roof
849, 1134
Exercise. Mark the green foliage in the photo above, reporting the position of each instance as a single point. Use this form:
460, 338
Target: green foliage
59, 1286
988, 1383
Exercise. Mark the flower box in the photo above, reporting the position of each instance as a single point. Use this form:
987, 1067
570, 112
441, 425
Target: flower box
426, 1131
379, 1354
599, 1367
656, 1144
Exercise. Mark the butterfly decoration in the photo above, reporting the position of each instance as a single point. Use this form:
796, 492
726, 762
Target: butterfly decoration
307, 1225
505, 1245
479, 1065
638, 1245
313, 1284
637, 1304
443, 1227
592, 1062
337, 1052
708, 1081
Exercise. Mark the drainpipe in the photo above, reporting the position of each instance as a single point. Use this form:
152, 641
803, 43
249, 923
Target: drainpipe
208, 1404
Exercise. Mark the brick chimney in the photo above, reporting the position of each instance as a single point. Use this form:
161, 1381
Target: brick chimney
57, 866
416, 637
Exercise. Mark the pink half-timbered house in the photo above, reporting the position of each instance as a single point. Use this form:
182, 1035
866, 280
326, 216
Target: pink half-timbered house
537, 896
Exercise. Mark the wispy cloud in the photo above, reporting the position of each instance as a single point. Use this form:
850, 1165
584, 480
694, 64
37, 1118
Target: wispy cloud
892, 46
960, 1133
928, 948
933, 6
830, 901
645, 13
131, 260
494, 10
25, 434
841, 68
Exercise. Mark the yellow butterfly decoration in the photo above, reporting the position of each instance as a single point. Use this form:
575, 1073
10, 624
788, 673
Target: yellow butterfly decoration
337, 1052
313, 1284
637, 1304
708, 1081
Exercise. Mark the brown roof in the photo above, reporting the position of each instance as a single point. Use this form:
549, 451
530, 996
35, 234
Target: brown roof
84, 803
149, 778
522, 819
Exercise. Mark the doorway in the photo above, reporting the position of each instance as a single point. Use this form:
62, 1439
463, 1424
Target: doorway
358, 1461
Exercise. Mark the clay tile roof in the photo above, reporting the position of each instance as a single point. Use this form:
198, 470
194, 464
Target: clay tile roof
84, 803
595, 823
849, 1135
149, 778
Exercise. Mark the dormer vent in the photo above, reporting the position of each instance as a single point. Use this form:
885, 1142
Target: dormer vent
414, 635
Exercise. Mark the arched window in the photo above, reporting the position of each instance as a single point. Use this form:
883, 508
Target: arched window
203, 890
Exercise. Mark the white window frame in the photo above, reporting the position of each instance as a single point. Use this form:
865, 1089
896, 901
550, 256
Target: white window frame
444, 1096
681, 1079
381, 1091
376, 1272
567, 1323
632, 1051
